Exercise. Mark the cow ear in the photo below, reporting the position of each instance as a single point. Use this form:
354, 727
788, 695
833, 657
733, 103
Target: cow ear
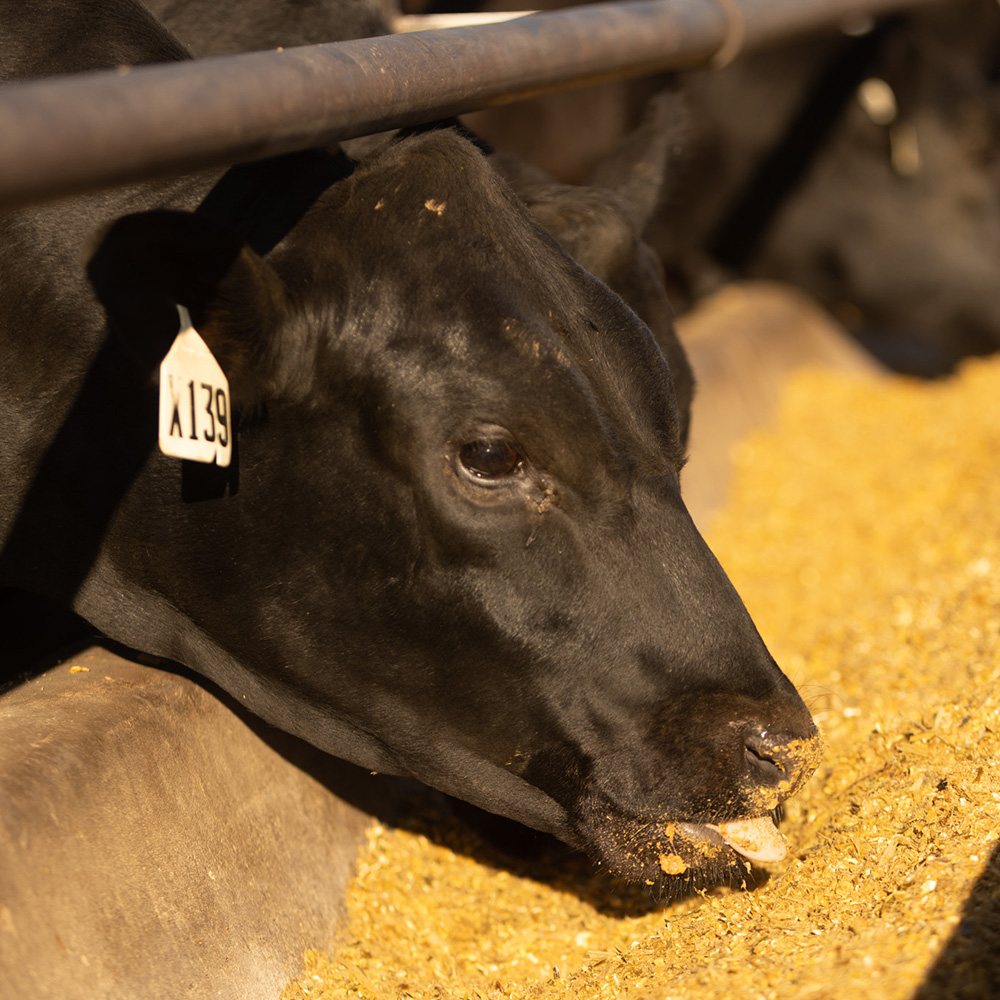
148, 264
597, 228
641, 168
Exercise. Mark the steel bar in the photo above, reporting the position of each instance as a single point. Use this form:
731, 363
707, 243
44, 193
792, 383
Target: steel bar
65, 135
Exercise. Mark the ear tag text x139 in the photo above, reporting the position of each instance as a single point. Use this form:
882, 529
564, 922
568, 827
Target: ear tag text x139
195, 412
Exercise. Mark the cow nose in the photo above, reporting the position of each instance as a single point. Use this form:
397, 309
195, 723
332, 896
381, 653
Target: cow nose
769, 758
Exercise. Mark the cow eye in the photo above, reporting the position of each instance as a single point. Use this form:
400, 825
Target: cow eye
490, 458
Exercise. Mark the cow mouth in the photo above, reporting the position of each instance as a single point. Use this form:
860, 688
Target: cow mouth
700, 839
666, 856
703, 850
757, 839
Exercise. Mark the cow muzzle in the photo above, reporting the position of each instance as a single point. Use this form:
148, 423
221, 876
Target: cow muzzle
718, 839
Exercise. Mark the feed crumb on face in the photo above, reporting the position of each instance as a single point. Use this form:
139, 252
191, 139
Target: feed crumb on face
672, 864
885, 495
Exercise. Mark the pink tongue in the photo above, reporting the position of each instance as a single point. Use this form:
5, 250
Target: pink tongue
756, 839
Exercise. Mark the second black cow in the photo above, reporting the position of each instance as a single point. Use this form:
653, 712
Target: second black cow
451, 543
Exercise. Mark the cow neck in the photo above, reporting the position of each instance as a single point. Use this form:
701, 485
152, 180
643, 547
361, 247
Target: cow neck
262, 201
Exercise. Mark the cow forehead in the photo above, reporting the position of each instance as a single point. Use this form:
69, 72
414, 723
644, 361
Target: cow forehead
432, 211
439, 263
503, 351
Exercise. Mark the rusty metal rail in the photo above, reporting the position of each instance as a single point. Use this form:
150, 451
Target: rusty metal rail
66, 135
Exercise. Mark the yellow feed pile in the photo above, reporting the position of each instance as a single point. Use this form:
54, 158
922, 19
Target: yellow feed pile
864, 535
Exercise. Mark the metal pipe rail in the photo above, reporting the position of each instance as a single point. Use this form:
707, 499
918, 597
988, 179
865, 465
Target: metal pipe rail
66, 135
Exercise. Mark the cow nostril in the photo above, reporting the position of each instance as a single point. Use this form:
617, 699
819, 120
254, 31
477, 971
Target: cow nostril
761, 763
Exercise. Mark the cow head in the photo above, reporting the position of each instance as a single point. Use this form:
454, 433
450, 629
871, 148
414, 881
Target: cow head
458, 549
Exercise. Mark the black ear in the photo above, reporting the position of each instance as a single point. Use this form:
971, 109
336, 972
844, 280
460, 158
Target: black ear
598, 229
640, 170
148, 264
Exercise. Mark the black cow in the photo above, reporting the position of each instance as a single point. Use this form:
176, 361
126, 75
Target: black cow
451, 543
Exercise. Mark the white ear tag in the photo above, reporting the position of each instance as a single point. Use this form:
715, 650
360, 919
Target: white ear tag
195, 415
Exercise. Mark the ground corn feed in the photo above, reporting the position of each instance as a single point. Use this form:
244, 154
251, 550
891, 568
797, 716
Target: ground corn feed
864, 535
